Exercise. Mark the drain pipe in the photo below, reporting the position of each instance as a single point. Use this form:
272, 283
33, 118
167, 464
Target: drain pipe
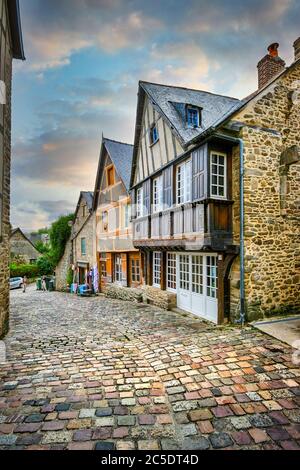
240, 142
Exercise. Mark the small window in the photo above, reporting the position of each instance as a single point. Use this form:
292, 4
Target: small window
105, 221
156, 269
83, 211
171, 271
218, 175
139, 203
153, 134
118, 268
110, 176
83, 246
193, 117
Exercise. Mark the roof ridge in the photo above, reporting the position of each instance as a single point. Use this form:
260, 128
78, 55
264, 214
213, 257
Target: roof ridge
117, 141
188, 89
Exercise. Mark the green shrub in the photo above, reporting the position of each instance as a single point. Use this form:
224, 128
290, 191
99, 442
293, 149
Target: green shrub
69, 277
21, 270
44, 265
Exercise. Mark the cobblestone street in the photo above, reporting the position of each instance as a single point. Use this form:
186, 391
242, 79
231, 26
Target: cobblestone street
93, 373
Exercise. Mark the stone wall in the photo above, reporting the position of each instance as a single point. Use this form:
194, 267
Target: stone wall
4, 236
160, 298
62, 269
124, 293
272, 230
20, 246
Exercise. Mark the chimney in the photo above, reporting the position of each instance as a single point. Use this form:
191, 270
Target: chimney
297, 48
270, 65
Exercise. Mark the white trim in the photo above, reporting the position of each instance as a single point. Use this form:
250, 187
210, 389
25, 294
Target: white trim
155, 284
170, 289
157, 191
213, 196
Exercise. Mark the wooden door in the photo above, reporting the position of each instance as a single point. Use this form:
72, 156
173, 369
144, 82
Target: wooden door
135, 270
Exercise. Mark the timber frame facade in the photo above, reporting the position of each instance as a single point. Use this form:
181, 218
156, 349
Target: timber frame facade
182, 195
194, 152
119, 263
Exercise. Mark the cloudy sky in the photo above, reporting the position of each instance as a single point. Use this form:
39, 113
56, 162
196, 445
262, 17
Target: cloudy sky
84, 60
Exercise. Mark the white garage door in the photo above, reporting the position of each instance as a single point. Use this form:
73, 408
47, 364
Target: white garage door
196, 283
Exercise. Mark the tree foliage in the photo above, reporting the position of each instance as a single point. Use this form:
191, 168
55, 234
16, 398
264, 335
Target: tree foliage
59, 234
45, 265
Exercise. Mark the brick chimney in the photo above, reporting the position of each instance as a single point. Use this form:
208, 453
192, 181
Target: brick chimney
297, 48
270, 65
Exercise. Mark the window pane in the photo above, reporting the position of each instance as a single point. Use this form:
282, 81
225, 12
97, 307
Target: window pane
156, 268
218, 175
171, 271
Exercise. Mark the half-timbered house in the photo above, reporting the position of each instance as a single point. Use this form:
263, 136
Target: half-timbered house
206, 178
119, 263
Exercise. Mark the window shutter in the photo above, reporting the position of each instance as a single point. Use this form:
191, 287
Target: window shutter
133, 203
147, 197
167, 187
199, 173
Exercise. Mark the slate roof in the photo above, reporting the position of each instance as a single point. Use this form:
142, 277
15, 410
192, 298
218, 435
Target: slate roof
171, 101
121, 156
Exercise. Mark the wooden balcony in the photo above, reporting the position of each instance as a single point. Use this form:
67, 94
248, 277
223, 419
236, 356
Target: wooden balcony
205, 224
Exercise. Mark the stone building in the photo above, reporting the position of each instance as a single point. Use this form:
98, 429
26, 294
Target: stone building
83, 239
21, 247
215, 191
119, 263
63, 268
11, 46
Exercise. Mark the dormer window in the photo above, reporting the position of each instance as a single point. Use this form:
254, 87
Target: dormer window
153, 134
193, 116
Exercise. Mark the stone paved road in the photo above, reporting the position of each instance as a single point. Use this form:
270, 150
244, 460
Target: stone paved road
103, 374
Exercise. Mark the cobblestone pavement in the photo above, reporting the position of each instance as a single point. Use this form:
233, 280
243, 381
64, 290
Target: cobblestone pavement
103, 374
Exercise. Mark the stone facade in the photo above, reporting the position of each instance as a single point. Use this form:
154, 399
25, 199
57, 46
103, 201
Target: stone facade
21, 246
159, 298
271, 135
62, 269
124, 293
88, 233
5, 156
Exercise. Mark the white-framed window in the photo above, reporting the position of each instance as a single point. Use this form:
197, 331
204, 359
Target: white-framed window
157, 194
83, 246
192, 116
156, 268
218, 165
211, 276
184, 272
171, 271
139, 202
197, 274
118, 268
183, 182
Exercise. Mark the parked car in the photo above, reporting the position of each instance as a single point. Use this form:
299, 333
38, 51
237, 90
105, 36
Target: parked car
16, 282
